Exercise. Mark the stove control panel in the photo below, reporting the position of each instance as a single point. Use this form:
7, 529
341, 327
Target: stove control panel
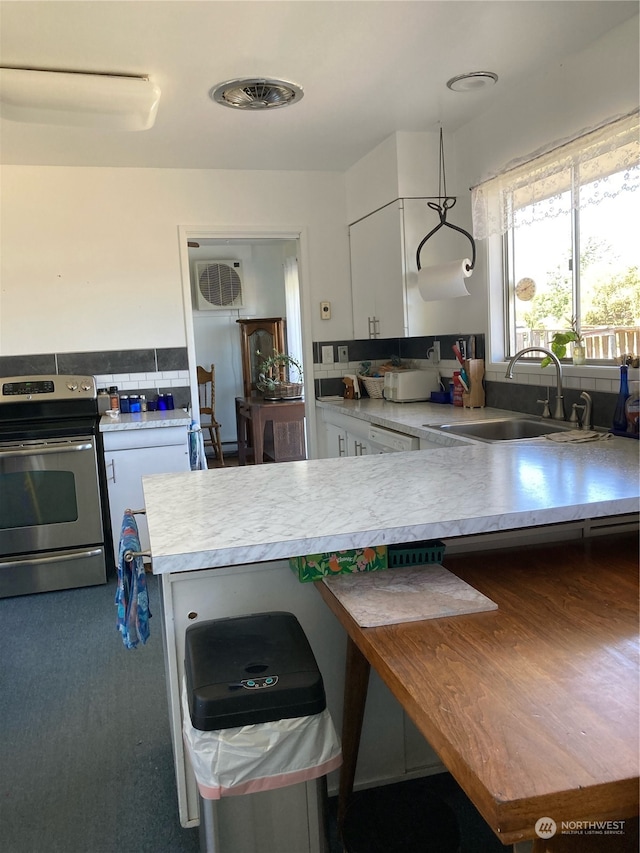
51, 387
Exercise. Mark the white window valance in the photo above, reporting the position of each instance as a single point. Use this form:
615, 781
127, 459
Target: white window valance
587, 160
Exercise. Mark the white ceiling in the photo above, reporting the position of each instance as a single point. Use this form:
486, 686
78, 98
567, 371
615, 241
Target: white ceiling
367, 69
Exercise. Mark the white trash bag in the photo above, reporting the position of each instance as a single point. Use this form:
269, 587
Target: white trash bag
260, 757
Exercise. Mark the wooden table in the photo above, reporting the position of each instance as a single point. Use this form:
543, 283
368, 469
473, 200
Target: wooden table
533, 707
275, 426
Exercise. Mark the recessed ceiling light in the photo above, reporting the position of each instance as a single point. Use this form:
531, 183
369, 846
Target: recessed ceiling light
473, 81
256, 93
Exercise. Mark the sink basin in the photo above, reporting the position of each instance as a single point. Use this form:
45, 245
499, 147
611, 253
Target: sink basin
507, 429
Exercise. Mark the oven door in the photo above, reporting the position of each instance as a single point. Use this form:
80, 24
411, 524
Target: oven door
49, 495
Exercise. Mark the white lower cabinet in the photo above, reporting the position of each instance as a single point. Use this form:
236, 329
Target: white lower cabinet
129, 455
342, 442
335, 441
349, 436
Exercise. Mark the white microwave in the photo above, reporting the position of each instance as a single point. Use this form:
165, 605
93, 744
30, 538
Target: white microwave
409, 386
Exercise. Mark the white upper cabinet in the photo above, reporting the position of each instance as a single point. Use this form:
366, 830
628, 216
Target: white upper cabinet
384, 271
377, 260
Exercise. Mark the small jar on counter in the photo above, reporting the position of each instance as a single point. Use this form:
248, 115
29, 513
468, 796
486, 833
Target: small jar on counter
125, 404
169, 401
134, 403
143, 403
104, 401
114, 399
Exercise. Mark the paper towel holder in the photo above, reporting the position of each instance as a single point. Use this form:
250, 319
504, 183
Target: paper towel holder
447, 202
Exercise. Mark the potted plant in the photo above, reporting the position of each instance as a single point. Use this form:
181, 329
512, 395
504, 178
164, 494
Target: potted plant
280, 376
559, 344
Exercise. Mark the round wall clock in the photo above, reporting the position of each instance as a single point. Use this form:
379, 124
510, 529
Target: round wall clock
526, 289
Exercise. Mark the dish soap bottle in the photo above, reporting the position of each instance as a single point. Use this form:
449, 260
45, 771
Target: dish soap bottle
619, 415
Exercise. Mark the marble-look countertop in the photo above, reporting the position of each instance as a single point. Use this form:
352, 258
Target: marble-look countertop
145, 420
231, 516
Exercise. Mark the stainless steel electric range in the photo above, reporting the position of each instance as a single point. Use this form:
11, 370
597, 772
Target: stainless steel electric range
54, 520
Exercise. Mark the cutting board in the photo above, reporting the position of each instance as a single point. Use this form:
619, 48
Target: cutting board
406, 594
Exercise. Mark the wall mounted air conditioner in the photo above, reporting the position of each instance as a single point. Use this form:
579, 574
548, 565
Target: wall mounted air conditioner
218, 285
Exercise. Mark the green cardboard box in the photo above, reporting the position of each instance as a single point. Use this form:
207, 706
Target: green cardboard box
314, 567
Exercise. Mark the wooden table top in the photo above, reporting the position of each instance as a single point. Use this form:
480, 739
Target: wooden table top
533, 707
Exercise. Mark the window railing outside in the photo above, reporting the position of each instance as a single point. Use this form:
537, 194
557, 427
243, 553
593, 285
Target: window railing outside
602, 343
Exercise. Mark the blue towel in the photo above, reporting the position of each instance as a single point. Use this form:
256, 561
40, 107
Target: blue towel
132, 598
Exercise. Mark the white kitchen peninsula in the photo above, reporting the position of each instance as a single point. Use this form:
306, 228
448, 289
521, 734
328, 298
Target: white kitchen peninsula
220, 540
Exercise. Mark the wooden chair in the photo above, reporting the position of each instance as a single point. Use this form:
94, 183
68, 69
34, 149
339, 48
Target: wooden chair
207, 400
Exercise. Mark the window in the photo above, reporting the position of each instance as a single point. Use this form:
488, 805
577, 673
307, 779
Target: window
569, 220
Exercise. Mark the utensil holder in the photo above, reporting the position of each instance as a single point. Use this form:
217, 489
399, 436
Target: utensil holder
474, 397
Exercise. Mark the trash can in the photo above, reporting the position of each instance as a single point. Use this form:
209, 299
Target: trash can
256, 727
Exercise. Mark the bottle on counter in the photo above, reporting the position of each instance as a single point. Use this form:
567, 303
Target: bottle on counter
125, 406
134, 403
457, 389
143, 403
114, 398
619, 415
104, 401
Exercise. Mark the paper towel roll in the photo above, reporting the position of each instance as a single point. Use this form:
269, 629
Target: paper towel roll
445, 281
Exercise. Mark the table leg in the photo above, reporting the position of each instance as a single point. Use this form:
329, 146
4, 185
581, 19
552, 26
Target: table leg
356, 682
241, 434
257, 422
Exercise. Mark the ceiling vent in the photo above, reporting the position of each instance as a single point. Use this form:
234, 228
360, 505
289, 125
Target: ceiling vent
256, 93
218, 285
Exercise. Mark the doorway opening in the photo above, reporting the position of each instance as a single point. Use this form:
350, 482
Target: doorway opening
267, 285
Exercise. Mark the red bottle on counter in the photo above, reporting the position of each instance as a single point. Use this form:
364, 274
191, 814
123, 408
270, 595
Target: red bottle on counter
457, 389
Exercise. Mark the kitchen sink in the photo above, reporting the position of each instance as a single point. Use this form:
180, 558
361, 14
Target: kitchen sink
506, 429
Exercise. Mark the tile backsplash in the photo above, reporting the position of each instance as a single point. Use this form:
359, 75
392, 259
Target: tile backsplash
519, 395
147, 371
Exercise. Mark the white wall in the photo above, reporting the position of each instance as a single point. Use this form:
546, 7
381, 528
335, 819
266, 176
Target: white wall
90, 256
587, 88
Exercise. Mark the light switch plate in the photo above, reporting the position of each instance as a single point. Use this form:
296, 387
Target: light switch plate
327, 354
325, 310
343, 355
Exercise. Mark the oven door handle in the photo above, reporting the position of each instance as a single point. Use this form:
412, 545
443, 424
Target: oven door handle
55, 558
41, 449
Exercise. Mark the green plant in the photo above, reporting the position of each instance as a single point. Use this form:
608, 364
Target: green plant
275, 370
560, 340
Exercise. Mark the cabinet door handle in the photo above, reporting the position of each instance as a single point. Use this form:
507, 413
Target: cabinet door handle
340, 445
376, 327
112, 463
372, 332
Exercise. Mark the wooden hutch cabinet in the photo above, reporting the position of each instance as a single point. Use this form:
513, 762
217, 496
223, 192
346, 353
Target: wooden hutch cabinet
261, 336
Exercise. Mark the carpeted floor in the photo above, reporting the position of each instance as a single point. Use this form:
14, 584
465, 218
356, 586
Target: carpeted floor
85, 756
84, 734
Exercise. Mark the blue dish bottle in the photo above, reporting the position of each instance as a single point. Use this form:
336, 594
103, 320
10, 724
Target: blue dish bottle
619, 415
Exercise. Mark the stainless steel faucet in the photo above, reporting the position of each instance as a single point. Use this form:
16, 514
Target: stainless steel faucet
558, 413
587, 417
